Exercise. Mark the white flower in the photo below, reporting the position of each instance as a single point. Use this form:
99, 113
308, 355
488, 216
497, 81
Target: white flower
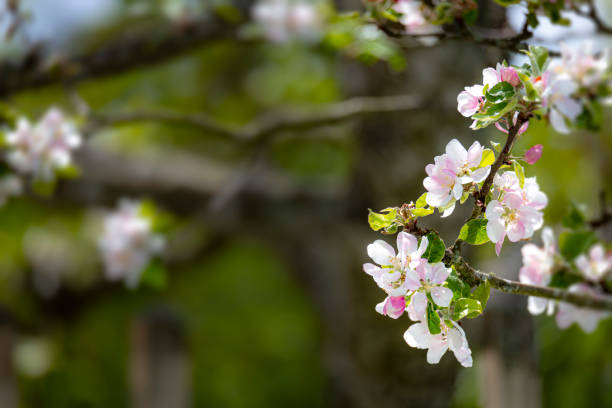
450, 171
452, 338
429, 278
413, 19
42, 149
128, 243
391, 274
538, 264
557, 96
597, 265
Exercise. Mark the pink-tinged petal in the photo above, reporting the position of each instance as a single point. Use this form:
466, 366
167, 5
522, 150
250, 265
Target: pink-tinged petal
438, 273
456, 151
381, 252
597, 253
456, 339
516, 231
464, 356
500, 127
467, 104
406, 244
474, 156
418, 336
422, 246
582, 263
394, 306
441, 296
437, 348
373, 270
498, 245
523, 128
481, 174
412, 280
533, 154
536, 305
489, 77
437, 199
508, 74
495, 230
417, 308
448, 211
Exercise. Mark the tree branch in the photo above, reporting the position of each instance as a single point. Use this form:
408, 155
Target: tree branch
131, 51
260, 129
475, 277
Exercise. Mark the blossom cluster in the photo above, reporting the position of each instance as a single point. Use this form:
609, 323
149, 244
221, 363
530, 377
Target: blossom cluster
418, 287
539, 266
43, 149
454, 174
565, 90
128, 242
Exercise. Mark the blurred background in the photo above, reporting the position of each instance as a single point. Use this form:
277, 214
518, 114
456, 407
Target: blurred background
264, 303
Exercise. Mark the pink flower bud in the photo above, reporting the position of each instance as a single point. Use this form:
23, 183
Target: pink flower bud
533, 155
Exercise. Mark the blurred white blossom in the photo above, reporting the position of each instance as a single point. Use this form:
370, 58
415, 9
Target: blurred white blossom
128, 243
283, 20
42, 149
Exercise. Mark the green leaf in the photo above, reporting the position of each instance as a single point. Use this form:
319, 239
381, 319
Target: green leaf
471, 16
502, 91
488, 157
154, 275
422, 201
496, 146
572, 244
520, 173
464, 197
574, 219
422, 212
481, 293
433, 319
458, 286
538, 57
435, 249
386, 219
474, 232
466, 307
44, 188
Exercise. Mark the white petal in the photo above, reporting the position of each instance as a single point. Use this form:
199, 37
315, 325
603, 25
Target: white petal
381, 252
448, 211
456, 151
536, 305
481, 174
442, 296
436, 350
418, 336
406, 244
417, 307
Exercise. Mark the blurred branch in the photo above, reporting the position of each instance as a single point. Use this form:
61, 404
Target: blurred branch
475, 277
131, 51
260, 129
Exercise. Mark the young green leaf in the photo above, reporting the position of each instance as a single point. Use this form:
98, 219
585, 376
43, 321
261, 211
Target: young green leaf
572, 244
466, 307
458, 286
481, 293
474, 232
422, 201
385, 220
488, 157
435, 249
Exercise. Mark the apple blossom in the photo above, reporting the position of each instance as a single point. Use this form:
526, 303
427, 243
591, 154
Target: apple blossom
533, 154
470, 101
413, 19
538, 264
451, 337
450, 171
582, 65
513, 218
596, 265
430, 278
556, 92
391, 274
587, 319
531, 195
392, 306
42, 149
128, 243
501, 73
